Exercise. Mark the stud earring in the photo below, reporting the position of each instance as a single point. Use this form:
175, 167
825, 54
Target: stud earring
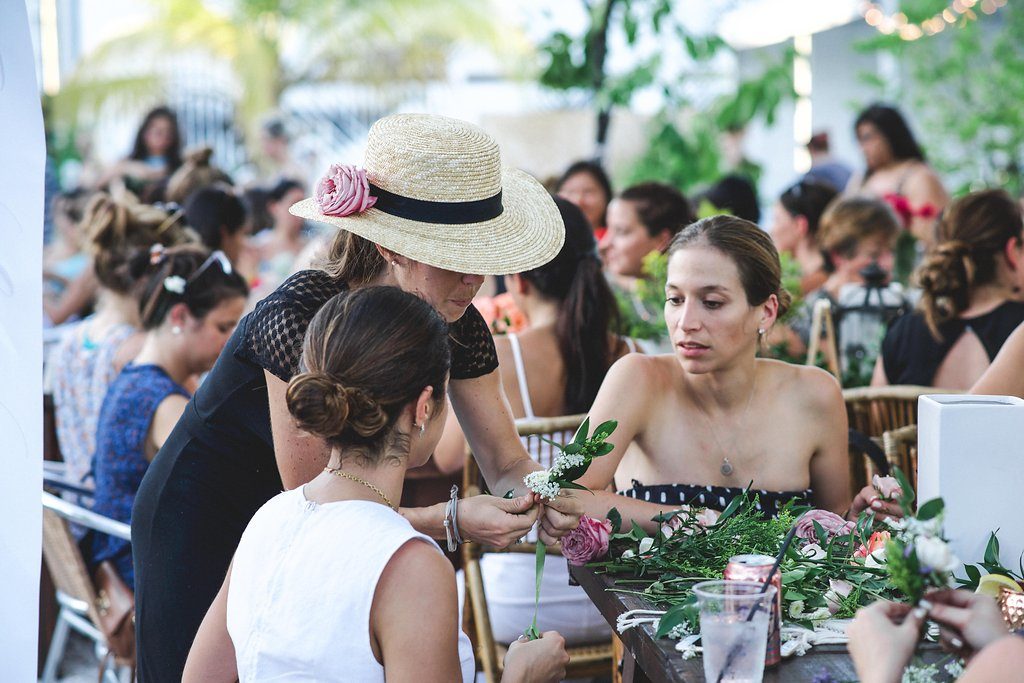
175, 330
760, 332
423, 428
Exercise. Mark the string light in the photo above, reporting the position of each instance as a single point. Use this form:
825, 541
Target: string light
958, 12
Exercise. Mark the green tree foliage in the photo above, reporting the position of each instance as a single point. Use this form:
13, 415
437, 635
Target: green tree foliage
964, 87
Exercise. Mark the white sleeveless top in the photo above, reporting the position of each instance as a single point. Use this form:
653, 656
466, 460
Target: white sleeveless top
302, 585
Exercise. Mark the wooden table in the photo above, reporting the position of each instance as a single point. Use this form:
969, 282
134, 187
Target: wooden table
650, 659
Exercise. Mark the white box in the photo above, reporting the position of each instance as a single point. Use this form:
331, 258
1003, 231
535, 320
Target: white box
971, 453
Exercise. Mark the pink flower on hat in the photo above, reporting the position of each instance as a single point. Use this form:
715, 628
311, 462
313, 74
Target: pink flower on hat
343, 191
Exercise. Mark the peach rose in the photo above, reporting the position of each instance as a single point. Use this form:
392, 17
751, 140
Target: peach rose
343, 191
875, 543
587, 542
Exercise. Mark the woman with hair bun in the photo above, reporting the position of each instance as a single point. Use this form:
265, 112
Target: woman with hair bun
190, 303
433, 211
297, 601
970, 301
712, 418
92, 352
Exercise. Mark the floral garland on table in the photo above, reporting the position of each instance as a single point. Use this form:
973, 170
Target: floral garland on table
835, 567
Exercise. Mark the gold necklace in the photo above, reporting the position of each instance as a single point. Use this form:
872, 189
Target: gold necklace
726, 468
338, 472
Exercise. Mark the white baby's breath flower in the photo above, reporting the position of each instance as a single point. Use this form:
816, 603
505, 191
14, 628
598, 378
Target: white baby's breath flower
175, 284
565, 461
540, 483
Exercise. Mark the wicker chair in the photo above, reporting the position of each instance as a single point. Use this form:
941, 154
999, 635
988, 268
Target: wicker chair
585, 660
901, 450
876, 410
76, 595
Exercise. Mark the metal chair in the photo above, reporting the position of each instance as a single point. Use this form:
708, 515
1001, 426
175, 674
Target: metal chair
76, 595
585, 660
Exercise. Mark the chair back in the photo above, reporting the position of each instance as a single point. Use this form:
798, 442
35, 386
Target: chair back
62, 555
876, 410
585, 661
901, 450
823, 339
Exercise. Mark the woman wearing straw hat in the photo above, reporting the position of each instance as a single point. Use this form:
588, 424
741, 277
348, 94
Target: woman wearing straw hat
432, 213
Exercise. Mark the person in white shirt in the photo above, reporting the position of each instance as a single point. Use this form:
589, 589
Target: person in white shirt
329, 581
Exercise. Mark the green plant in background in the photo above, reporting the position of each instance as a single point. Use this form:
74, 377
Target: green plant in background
580, 62
642, 312
964, 88
688, 156
272, 45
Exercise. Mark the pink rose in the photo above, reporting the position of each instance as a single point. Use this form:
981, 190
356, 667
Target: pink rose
837, 590
344, 191
708, 517
587, 542
833, 524
888, 488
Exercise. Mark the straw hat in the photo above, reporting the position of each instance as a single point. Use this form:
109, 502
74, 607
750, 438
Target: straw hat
443, 198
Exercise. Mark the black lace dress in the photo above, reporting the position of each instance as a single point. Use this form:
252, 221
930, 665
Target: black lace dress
714, 497
217, 467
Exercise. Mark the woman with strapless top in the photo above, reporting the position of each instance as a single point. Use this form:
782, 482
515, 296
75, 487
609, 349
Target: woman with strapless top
713, 419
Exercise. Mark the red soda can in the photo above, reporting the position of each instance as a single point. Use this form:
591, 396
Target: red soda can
757, 568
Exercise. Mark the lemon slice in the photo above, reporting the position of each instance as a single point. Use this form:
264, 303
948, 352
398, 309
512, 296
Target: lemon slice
991, 584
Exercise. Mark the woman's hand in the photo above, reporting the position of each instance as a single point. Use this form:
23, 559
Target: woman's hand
498, 522
560, 516
868, 499
967, 621
880, 645
536, 661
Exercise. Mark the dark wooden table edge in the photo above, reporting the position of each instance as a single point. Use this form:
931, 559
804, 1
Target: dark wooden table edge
642, 648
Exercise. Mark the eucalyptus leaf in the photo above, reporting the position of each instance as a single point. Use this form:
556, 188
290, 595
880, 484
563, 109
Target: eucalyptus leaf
930, 510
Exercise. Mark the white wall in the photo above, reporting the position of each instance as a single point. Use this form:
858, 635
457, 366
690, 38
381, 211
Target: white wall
21, 361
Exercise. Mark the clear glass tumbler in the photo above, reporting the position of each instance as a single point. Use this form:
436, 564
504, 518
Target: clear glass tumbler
734, 629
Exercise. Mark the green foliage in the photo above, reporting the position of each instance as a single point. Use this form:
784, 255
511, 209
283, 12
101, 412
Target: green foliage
689, 156
642, 313
965, 89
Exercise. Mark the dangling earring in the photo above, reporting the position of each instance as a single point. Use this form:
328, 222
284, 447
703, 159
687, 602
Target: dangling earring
176, 330
421, 426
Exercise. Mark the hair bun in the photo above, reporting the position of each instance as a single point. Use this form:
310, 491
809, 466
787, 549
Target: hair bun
325, 407
954, 249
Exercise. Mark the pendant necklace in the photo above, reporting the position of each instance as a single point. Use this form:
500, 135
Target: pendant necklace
726, 467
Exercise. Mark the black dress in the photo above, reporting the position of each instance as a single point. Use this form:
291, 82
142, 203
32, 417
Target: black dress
911, 354
769, 503
217, 467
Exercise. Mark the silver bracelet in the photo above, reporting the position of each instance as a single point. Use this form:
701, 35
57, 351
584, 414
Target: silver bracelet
455, 513
451, 527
